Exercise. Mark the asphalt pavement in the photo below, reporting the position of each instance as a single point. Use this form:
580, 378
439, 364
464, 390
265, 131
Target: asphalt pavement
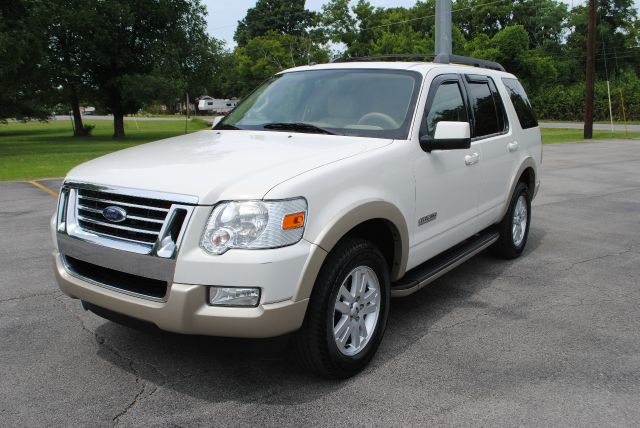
550, 339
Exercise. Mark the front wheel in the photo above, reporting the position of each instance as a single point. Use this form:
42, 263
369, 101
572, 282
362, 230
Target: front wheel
347, 312
514, 227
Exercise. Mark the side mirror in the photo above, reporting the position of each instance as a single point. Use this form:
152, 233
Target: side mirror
448, 136
216, 120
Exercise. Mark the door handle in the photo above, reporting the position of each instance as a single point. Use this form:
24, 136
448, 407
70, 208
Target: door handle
513, 146
472, 159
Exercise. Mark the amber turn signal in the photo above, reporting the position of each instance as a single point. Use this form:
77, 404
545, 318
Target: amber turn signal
293, 221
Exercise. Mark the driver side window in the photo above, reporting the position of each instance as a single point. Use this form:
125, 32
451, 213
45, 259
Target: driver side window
447, 105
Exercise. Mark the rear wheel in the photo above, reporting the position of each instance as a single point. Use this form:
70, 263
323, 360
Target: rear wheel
347, 312
514, 227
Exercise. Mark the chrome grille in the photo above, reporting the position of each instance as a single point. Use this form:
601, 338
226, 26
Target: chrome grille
143, 224
133, 252
138, 221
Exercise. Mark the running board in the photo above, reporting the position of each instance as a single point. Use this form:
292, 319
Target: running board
434, 268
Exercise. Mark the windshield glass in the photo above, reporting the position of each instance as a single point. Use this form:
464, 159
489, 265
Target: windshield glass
367, 103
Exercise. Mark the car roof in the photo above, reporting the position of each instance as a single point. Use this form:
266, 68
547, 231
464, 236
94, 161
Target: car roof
419, 66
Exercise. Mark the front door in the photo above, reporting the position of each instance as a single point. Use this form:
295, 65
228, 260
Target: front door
447, 181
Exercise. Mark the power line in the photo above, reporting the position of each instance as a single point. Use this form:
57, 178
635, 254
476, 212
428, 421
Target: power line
429, 16
407, 20
601, 58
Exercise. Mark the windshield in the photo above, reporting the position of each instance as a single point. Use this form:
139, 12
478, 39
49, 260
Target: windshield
367, 103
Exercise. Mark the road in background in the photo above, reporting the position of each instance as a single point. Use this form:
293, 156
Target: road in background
596, 126
552, 338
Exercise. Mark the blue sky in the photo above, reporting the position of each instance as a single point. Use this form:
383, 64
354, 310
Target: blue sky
224, 15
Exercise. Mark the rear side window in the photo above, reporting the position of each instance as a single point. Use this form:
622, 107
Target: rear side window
521, 103
489, 115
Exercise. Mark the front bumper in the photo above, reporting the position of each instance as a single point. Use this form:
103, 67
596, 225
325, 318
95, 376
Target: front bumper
185, 309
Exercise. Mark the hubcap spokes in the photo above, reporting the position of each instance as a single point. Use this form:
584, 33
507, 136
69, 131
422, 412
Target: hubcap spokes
519, 223
356, 310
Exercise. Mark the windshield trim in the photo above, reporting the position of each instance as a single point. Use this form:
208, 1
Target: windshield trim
401, 133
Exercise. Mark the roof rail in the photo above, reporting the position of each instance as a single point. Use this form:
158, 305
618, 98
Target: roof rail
457, 59
383, 57
438, 59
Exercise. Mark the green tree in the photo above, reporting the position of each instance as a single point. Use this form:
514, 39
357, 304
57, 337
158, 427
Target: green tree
338, 22
616, 41
473, 17
285, 17
544, 20
510, 47
146, 50
64, 27
23, 80
266, 55
367, 30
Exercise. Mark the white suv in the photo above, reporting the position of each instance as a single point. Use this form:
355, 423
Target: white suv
328, 190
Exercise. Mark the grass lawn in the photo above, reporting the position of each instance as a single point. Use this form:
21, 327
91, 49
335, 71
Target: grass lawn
47, 149
552, 135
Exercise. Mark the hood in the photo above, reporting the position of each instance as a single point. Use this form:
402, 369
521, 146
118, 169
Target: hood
220, 165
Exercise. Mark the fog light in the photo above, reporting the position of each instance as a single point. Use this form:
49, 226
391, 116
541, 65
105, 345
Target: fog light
231, 296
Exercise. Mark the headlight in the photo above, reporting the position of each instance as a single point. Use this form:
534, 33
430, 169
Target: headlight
254, 225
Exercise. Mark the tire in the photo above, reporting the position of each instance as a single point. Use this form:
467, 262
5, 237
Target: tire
512, 239
339, 356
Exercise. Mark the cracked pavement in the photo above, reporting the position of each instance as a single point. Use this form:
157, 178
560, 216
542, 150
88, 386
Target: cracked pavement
552, 338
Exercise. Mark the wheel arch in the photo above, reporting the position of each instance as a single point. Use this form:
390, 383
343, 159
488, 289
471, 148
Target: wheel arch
526, 173
378, 221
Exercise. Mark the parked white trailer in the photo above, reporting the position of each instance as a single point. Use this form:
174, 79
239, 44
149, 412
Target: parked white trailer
216, 105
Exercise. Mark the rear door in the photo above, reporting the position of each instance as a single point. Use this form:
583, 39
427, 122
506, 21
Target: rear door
491, 134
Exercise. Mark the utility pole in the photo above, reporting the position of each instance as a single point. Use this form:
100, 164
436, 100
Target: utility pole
591, 71
443, 27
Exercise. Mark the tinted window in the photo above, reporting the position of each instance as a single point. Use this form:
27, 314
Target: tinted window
447, 105
521, 103
487, 120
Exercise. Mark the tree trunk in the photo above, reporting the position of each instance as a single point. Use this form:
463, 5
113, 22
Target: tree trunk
79, 130
118, 124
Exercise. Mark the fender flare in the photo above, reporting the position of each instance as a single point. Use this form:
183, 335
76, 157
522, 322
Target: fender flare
526, 163
345, 222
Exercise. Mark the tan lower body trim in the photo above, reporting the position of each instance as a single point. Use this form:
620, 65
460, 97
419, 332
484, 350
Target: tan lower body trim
186, 310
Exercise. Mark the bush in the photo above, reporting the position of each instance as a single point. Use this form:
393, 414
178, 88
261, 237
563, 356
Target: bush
87, 129
567, 102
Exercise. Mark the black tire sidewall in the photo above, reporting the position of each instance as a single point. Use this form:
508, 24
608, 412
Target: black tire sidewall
368, 256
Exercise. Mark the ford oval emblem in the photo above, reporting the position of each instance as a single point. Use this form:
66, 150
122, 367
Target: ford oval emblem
114, 214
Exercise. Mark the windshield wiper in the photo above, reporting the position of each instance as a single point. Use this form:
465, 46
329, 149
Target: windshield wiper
297, 126
225, 126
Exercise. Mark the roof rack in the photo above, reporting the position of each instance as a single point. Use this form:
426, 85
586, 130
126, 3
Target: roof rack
458, 59
383, 57
438, 59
